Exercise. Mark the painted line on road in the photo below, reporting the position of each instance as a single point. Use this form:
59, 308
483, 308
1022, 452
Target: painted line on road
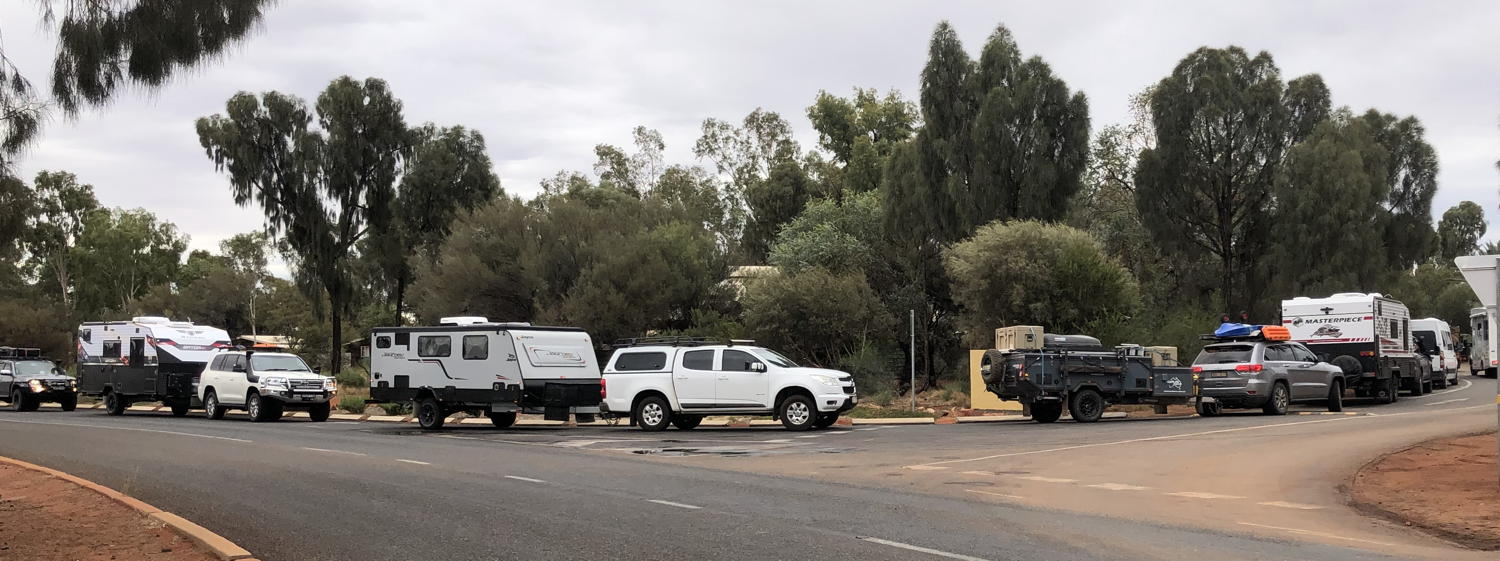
1446, 401
417, 462
454, 437
1298, 506
128, 429
1318, 534
810, 436
994, 494
327, 451
1463, 385
1046, 479
920, 549
1117, 487
980, 473
526, 479
925, 467
670, 503
1210, 496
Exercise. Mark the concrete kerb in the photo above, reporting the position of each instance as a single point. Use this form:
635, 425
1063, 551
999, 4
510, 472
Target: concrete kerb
221, 547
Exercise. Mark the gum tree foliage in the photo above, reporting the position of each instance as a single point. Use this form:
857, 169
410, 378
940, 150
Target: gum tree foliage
1326, 248
1411, 181
819, 316
245, 256
324, 178
1034, 273
60, 209
860, 132
1002, 138
1435, 290
103, 45
1459, 231
119, 256
483, 268
1222, 123
765, 177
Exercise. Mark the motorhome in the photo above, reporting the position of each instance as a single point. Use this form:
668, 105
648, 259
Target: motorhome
1435, 338
473, 365
1367, 335
147, 358
1482, 359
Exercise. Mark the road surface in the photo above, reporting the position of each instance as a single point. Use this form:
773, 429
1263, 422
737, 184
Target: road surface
1238, 487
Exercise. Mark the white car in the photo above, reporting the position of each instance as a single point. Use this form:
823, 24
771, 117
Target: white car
678, 382
264, 384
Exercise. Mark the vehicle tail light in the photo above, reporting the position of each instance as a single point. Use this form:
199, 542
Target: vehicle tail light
603, 392
1197, 369
1247, 367
1367, 353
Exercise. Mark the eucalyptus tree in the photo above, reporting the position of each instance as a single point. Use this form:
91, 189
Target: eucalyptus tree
60, 210
1411, 181
1460, 230
860, 132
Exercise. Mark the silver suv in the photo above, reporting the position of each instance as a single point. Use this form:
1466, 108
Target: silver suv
1270, 375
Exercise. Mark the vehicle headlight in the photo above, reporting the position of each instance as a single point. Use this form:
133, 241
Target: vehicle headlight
329, 384
274, 382
827, 380
37, 386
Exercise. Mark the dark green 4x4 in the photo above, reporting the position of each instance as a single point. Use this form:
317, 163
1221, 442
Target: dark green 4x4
27, 380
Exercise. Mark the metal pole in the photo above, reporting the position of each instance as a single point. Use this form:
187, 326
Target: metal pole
913, 359
1490, 319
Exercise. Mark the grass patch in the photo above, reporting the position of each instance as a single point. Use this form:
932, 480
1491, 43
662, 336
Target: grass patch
352, 403
869, 412
396, 408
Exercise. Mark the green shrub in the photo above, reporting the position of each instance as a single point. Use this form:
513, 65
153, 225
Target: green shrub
352, 379
352, 403
875, 369
863, 412
396, 408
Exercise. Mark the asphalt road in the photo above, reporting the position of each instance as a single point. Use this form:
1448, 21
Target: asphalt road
1236, 487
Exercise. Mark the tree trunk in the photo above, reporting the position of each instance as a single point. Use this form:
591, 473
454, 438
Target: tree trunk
336, 358
400, 298
253, 288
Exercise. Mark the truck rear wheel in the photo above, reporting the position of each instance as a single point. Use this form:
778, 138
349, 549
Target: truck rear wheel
1046, 411
115, 405
653, 414
1086, 405
211, 407
1280, 400
430, 414
502, 420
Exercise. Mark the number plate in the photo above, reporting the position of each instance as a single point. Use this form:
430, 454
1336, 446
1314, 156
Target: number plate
1219, 375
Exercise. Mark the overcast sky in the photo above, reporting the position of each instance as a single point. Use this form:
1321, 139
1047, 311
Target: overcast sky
545, 83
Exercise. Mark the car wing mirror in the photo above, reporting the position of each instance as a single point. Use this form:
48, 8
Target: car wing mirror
238, 368
317, 370
757, 367
5, 372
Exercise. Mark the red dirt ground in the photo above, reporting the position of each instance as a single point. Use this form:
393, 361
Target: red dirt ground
1448, 487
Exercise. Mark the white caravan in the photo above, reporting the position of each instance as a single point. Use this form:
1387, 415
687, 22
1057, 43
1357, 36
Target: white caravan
1435, 337
1367, 335
148, 358
1482, 347
497, 369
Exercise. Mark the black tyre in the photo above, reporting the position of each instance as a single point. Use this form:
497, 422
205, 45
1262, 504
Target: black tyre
211, 406
179, 408
1336, 396
1385, 392
798, 412
1209, 408
687, 422
69, 403
114, 404
1046, 411
1442, 382
259, 409
1279, 401
502, 420
320, 412
1086, 405
17, 402
653, 414
1427, 387
430, 415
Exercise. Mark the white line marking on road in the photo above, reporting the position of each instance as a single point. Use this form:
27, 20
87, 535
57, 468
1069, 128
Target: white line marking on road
777, 441
526, 479
345, 452
980, 473
994, 494
1462, 385
1118, 487
1046, 479
1312, 533
127, 428
1298, 506
870, 428
926, 467
455, 437
420, 463
811, 436
1446, 401
1198, 495
670, 503
920, 549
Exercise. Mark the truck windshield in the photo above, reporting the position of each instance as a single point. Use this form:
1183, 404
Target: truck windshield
774, 358
262, 363
1224, 354
34, 368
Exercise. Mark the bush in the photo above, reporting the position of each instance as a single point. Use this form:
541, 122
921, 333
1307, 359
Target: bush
876, 371
352, 403
816, 316
396, 408
351, 378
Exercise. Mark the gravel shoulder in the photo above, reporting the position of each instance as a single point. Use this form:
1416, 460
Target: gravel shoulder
43, 518
1448, 487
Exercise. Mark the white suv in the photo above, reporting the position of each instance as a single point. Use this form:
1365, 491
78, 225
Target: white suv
264, 384
678, 382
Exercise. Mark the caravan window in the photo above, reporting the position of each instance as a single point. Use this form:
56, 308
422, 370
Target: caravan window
88, 335
476, 347
111, 349
434, 345
403, 339
382, 342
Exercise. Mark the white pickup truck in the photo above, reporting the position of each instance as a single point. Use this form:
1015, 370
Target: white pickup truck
680, 381
264, 384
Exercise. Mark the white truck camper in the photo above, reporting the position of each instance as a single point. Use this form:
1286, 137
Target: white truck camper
499, 370
1367, 335
148, 358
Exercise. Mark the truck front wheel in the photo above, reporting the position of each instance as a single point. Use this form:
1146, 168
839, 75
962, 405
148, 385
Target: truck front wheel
1046, 411
179, 408
653, 414
115, 405
798, 412
430, 414
1336, 396
502, 420
1086, 405
320, 412
69, 403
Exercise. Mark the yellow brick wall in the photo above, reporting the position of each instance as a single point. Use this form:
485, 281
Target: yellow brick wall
980, 398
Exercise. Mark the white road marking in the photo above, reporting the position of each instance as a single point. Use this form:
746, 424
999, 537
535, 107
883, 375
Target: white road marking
1046, 479
1446, 401
333, 451
925, 467
1312, 533
811, 436
994, 494
980, 473
670, 503
420, 463
455, 437
1298, 506
1198, 495
526, 479
777, 441
1462, 385
127, 429
920, 549
1118, 487
869, 428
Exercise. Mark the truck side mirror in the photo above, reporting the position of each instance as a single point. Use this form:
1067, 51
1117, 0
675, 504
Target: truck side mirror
757, 367
239, 368
317, 370
5, 372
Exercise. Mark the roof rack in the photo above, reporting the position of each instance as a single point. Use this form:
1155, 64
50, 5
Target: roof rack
15, 352
677, 342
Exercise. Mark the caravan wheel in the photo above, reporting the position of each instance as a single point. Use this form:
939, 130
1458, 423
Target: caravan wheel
430, 414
